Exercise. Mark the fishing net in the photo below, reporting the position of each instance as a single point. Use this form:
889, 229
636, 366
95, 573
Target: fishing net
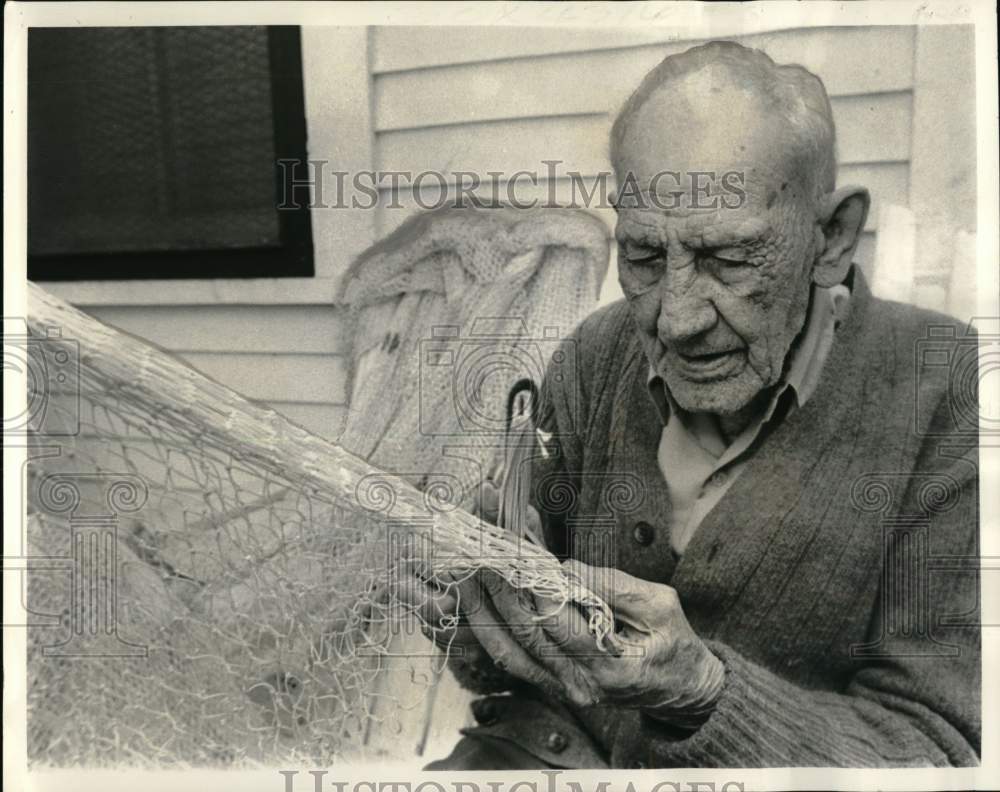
210, 584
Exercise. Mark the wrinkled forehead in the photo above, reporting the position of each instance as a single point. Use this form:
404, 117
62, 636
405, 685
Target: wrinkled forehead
717, 227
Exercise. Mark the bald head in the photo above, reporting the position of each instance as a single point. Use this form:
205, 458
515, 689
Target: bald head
721, 98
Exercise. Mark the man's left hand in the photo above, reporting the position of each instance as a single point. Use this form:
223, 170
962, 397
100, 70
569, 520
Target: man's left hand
663, 668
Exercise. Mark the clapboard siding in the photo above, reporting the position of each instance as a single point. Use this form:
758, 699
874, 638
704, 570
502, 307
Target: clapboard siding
464, 99
846, 57
870, 128
275, 376
592, 82
232, 328
287, 357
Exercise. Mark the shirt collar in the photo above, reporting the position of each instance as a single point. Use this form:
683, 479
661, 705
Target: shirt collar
827, 309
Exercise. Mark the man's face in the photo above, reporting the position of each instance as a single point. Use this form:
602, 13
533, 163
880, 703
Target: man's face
719, 289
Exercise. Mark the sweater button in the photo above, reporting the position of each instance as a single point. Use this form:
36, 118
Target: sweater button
643, 533
556, 742
484, 711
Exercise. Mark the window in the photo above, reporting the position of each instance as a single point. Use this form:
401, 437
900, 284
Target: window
153, 153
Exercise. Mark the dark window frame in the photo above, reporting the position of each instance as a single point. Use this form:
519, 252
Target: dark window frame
292, 257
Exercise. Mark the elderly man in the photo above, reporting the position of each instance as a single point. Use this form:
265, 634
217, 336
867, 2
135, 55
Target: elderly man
753, 468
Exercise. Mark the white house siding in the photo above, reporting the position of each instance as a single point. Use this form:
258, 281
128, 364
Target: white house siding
286, 356
411, 99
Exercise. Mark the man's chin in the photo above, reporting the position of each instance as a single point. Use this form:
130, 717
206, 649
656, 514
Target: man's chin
722, 397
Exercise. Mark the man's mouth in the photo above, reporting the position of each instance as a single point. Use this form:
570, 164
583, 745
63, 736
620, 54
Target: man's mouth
713, 365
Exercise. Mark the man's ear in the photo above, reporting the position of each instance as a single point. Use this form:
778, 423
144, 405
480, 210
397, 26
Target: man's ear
842, 218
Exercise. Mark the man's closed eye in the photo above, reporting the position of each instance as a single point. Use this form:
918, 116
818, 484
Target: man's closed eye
642, 257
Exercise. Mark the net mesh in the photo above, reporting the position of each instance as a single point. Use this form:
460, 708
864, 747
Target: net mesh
210, 584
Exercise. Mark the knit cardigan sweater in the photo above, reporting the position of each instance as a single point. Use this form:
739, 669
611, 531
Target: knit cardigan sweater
836, 579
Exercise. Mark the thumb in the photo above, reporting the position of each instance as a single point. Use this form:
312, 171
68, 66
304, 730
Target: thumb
488, 502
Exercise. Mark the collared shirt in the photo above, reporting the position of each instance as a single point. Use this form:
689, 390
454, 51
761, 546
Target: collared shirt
697, 463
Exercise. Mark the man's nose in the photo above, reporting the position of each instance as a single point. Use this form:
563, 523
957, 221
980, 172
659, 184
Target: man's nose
685, 314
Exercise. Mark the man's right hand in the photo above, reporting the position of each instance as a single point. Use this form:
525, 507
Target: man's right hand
444, 616
486, 643
444, 621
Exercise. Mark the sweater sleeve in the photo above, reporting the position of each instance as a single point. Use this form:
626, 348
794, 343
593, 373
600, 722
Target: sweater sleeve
914, 699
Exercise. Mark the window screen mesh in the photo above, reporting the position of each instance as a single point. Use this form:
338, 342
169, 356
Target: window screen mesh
150, 139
